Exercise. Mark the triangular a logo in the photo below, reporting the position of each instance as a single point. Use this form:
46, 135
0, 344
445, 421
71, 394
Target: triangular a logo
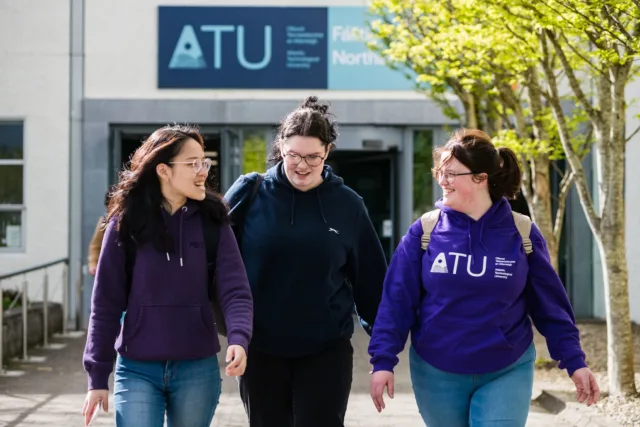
187, 53
440, 264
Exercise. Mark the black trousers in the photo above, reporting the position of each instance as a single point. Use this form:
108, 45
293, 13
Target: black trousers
306, 391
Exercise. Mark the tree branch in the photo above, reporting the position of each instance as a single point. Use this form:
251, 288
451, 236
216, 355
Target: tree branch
565, 138
593, 114
580, 55
635, 132
565, 186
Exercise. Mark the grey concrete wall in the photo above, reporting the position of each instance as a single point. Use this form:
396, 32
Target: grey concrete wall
12, 328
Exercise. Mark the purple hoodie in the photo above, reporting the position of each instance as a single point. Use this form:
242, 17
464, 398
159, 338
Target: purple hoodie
468, 298
169, 315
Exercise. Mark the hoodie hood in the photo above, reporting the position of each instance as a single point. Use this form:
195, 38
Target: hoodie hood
329, 182
495, 217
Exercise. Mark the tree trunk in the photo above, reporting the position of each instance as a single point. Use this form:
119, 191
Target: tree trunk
619, 337
541, 203
608, 121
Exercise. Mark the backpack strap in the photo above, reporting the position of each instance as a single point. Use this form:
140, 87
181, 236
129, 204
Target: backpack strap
211, 233
523, 224
211, 242
429, 221
238, 213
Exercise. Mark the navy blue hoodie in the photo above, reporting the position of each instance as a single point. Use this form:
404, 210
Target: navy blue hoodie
309, 256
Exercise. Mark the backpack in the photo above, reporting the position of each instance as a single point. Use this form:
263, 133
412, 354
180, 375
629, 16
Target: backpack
211, 233
523, 224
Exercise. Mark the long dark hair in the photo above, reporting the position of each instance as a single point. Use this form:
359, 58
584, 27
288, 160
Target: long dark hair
474, 149
137, 199
311, 118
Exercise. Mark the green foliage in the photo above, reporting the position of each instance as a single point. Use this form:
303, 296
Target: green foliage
484, 52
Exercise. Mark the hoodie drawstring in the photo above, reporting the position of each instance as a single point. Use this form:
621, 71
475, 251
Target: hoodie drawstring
293, 206
184, 209
480, 239
321, 208
481, 228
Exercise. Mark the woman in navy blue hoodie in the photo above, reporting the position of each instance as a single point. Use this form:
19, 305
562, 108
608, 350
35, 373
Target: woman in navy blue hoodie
310, 251
467, 299
154, 266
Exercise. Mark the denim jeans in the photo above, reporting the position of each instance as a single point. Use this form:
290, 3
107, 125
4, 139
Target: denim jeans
496, 399
188, 391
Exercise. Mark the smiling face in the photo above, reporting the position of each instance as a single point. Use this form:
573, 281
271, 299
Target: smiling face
304, 158
460, 192
180, 180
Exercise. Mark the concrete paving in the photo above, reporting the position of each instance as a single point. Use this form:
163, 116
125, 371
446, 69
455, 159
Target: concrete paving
51, 393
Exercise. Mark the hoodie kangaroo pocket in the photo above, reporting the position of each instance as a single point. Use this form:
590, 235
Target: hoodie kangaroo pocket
461, 340
172, 332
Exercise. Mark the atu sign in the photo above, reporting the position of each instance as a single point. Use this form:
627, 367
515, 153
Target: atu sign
269, 48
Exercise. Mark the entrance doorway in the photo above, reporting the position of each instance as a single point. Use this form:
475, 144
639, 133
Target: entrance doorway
373, 176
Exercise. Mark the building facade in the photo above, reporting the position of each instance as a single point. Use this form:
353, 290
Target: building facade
108, 73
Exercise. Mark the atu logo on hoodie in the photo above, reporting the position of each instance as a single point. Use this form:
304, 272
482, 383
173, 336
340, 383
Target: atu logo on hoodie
440, 265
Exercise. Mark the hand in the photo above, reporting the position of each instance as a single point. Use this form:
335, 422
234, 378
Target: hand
380, 380
586, 386
237, 361
92, 270
93, 397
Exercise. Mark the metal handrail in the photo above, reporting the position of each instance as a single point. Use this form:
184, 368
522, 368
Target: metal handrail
29, 270
45, 303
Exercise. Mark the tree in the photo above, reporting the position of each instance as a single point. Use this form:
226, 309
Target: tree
452, 49
604, 35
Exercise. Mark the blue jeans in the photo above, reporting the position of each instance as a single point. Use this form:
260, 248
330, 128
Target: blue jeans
496, 399
188, 392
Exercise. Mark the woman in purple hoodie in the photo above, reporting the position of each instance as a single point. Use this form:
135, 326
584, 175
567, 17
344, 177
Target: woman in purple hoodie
467, 299
154, 265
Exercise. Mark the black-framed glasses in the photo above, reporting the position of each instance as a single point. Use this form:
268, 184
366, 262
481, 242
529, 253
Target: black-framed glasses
311, 159
450, 177
197, 164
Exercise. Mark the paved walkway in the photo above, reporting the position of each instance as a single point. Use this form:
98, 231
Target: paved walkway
51, 393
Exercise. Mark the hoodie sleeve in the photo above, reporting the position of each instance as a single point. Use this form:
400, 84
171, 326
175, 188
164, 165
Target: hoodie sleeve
400, 302
366, 267
550, 309
233, 290
108, 301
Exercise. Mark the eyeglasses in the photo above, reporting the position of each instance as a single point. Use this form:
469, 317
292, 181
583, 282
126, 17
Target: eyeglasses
197, 164
311, 159
450, 177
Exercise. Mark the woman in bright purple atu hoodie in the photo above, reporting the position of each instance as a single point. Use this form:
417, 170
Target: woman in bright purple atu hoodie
167, 345
469, 299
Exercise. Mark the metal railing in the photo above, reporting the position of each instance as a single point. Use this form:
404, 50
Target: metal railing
23, 295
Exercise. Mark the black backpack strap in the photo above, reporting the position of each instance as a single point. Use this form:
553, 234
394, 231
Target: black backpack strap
239, 213
211, 242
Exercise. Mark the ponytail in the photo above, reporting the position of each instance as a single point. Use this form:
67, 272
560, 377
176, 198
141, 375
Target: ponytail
506, 182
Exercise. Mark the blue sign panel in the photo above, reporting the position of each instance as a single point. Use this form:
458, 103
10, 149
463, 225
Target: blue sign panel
242, 47
352, 65
269, 48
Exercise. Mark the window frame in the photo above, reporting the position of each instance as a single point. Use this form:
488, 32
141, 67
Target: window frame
13, 207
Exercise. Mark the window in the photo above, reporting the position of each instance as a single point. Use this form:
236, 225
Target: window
11, 185
422, 178
254, 151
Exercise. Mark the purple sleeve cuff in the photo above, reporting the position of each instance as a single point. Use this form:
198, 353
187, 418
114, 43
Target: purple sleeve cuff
239, 340
98, 381
574, 364
383, 365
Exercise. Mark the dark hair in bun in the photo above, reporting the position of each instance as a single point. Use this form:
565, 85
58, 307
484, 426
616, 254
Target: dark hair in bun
311, 118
